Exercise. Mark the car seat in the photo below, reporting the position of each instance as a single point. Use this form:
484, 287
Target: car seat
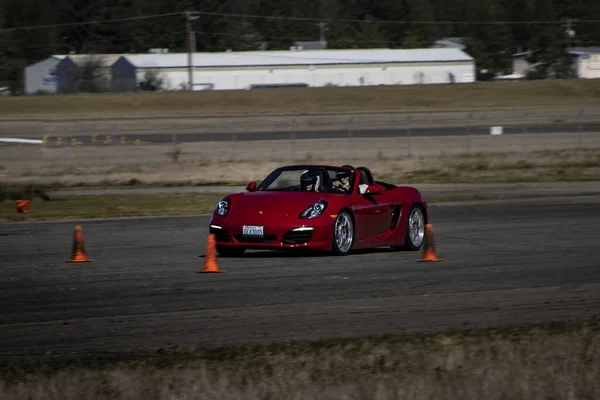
366, 177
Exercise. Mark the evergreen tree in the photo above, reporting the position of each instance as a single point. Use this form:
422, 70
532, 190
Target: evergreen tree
241, 35
491, 42
350, 24
423, 31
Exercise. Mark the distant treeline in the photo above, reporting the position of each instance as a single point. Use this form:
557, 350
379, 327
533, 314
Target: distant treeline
491, 29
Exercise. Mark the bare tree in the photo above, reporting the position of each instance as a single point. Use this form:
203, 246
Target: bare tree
91, 76
153, 81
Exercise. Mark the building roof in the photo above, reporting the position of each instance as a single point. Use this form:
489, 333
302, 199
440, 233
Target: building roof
304, 57
572, 50
585, 50
56, 57
311, 45
523, 53
107, 59
450, 42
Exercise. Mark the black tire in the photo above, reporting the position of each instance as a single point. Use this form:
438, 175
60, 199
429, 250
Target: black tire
409, 243
230, 251
344, 248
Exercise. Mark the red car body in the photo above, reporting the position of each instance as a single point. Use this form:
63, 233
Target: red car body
378, 217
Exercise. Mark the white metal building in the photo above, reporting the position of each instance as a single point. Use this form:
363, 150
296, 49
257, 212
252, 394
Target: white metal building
41, 76
56, 73
245, 70
68, 71
586, 62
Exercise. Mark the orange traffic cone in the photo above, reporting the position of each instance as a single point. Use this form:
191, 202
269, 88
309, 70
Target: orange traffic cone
78, 255
22, 206
210, 258
429, 250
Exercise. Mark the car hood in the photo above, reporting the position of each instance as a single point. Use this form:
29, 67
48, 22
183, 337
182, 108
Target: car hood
274, 203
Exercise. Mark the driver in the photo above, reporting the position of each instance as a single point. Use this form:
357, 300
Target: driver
309, 182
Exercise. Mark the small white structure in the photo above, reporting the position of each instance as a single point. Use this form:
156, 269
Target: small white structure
586, 62
314, 68
496, 130
41, 76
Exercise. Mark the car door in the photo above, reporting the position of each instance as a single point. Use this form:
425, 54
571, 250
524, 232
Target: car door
373, 213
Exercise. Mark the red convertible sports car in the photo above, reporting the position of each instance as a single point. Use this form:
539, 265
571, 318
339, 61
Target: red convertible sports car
319, 207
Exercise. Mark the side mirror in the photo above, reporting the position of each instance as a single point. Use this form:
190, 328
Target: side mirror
251, 187
373, 190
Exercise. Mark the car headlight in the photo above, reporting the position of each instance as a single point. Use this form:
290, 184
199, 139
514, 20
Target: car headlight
222, 207
314, 210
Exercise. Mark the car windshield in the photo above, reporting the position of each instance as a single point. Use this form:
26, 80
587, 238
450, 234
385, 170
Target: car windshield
310, 179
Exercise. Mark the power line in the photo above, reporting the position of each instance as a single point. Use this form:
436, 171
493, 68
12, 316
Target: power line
106, 21
182, 32
116, 39
305, 19
589, 42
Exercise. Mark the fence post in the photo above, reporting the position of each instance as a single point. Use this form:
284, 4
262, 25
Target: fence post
469, 133
233, 137
525, 130
65, 147
408, 137
580, 129
292, 137
176, 152
349, 130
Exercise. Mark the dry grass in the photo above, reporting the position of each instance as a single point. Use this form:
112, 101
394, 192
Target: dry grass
283, 125
535, 365
481, 95
106, 205
447, 159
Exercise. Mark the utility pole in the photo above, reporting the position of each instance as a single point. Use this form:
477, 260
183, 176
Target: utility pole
565, 63
191, 45
569, 31
322, 29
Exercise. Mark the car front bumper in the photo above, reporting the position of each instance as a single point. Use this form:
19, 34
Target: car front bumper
313, 234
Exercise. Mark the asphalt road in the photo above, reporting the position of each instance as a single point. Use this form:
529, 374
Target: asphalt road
504, 263
184, 136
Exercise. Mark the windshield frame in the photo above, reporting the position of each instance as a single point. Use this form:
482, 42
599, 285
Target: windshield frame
324, 170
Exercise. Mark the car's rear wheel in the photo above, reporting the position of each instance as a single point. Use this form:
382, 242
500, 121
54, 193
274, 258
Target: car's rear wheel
230, 251
343, 234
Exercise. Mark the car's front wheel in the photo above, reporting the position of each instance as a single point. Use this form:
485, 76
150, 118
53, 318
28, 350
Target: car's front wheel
230, 251
415, 228
343, 234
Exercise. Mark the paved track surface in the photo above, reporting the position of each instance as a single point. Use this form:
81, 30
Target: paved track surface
187, 136
504, 263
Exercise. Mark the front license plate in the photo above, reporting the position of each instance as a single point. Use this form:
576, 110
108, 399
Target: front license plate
253, 230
